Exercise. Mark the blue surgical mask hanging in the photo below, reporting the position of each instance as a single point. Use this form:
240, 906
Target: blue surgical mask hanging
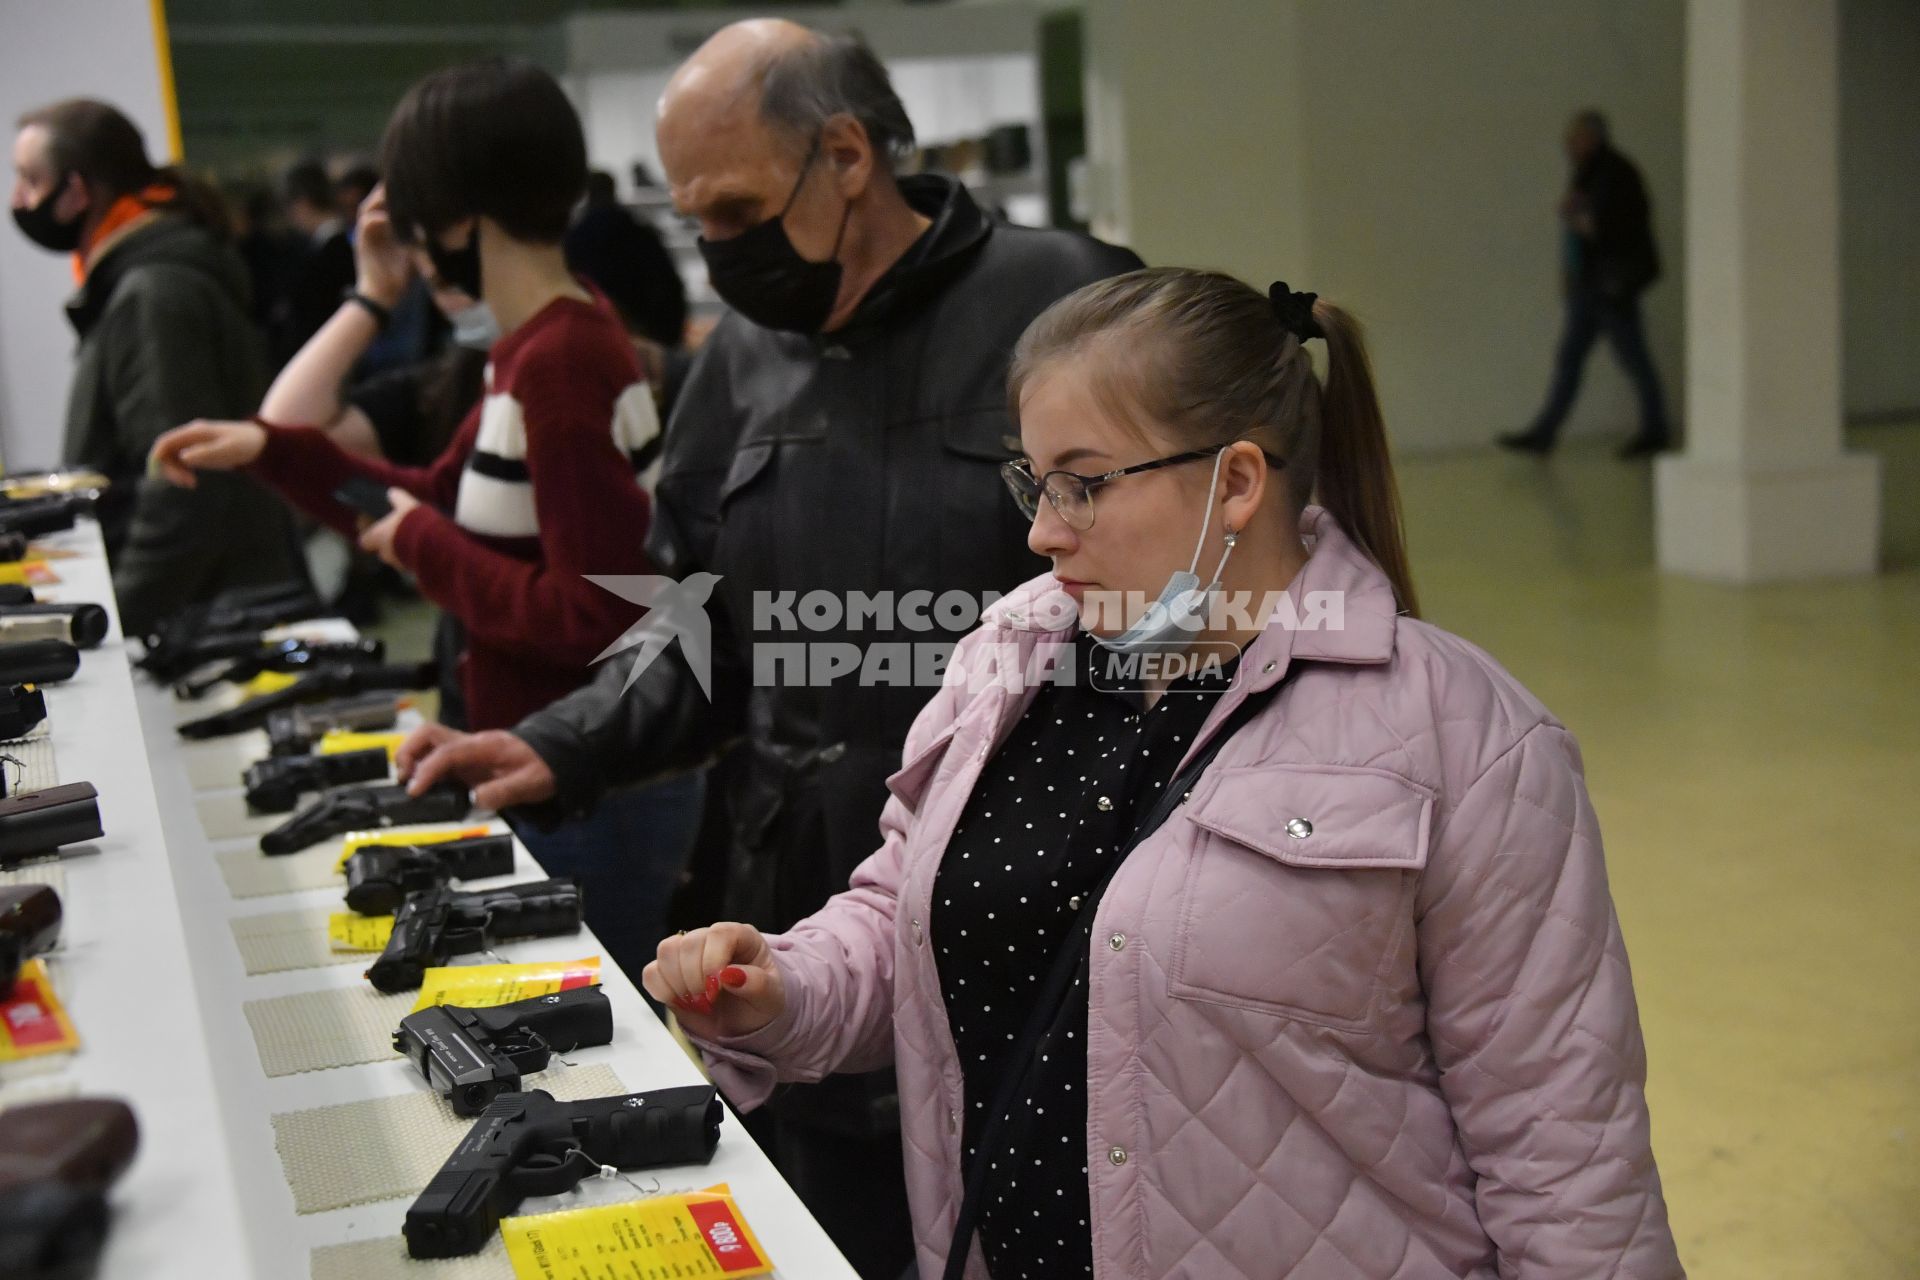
474, 327
1180, 613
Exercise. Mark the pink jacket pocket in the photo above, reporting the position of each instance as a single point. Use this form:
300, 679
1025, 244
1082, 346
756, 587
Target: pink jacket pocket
909, 782
1298, 898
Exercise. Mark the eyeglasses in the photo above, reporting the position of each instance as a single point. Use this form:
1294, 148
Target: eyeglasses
1072, 493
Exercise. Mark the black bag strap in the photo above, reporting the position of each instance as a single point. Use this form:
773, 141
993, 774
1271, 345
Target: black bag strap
1071, 962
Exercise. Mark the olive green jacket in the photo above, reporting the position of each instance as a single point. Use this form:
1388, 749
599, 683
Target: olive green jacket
165, 339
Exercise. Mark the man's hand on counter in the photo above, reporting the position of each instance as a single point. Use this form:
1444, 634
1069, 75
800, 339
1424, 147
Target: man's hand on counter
502, 770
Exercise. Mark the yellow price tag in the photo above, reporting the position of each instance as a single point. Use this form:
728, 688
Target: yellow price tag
358, 840
267, 682
32, 1019
351, 931
479, 986
336, 741
693, 1235
33, 573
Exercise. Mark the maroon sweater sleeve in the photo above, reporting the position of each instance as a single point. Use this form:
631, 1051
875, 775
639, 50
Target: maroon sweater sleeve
592, 516
305, 467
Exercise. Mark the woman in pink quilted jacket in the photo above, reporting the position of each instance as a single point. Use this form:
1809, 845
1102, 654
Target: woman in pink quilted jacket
1237, 925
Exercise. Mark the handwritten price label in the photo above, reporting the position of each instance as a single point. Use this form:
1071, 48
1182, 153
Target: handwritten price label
268, 682
358, 840
336, 741
347, 931
482, 986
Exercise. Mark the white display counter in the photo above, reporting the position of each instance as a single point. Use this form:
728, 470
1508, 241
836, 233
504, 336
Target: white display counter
152, 975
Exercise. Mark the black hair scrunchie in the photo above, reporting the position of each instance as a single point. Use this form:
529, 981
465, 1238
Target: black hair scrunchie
1295, 310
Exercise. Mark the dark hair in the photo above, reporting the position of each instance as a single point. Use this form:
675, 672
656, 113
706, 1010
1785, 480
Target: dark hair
803, 87
1203, 357
1593, 121
360, 178
93, 139
451, 383
496, 138
600, 189
307, 181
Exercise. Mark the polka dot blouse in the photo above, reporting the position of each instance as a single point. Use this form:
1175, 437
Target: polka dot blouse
1055, 805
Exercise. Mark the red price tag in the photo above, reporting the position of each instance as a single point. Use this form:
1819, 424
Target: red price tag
732, 1246
32, 1020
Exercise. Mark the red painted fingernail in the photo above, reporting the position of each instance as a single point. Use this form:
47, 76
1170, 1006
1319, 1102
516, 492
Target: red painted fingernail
733, 976
701, 1004
713, 985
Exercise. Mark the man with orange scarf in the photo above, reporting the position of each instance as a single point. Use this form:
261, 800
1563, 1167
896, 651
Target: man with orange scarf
161, 313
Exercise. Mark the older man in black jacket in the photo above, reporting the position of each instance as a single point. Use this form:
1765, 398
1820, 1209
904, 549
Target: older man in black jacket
1609, 261
840, 432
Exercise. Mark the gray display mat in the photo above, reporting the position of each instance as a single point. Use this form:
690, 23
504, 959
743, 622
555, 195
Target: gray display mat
317, 1030
281, 940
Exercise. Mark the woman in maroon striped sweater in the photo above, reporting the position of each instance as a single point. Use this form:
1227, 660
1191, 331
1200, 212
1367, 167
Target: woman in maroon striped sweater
537, 489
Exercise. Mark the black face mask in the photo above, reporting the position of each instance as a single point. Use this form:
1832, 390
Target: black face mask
762, 276
457, 267
38, 224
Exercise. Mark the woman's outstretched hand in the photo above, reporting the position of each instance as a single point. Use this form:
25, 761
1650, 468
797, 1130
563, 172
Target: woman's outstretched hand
206, 445
720, 980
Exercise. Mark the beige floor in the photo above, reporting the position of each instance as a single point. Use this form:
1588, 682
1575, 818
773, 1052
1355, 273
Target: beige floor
1755, 759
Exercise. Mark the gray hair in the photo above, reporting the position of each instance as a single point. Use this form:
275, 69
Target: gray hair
803, 87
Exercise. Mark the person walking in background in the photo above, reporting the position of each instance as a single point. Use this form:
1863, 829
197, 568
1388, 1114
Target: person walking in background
165, 337
1609, 260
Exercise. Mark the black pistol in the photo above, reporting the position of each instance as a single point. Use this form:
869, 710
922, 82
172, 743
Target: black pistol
275, 785
172, 660
38, 662
330, 680
380, 876
79, 624
526, 1144
36, 516
224, 627
364, 809
434, 925
284, 657
41, 821
471, 1056
294, 731
30, 925
21, 707
57, 1161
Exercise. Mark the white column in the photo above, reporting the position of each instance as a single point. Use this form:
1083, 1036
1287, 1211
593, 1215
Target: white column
1765, 491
